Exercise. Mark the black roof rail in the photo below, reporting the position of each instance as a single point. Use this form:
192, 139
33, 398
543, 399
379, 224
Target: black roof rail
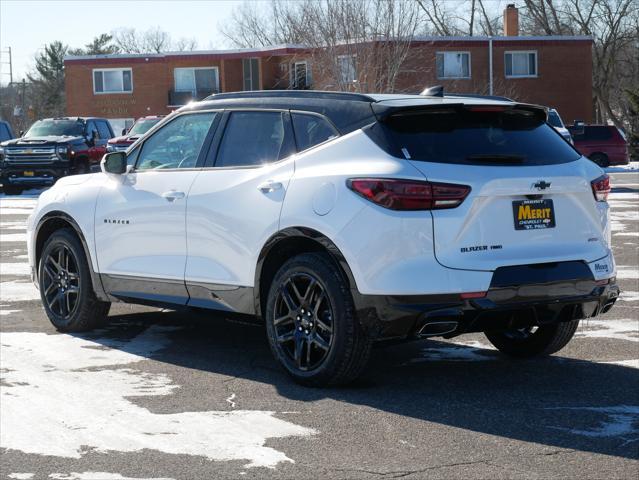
318, 94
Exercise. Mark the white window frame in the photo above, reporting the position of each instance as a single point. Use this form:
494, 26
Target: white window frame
291, 73
120, 69
217, 77
526, 52
470, 64
355, 73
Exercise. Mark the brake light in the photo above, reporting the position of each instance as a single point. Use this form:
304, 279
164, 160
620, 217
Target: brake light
601, 188
396, 194
469, 295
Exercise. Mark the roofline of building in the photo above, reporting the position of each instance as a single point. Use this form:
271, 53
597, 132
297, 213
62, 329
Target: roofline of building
282, 49
292, 48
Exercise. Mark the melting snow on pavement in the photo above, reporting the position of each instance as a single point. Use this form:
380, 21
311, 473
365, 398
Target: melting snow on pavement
619, 421
63, 394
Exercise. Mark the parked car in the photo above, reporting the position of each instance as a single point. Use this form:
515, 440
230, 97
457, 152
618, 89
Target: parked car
558, 124
5, 131
52, 148
138, 129
338, 219
603, 144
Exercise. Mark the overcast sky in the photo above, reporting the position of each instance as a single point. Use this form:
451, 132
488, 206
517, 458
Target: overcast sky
26, 25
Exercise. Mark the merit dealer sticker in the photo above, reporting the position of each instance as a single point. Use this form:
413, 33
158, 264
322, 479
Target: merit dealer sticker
533, 214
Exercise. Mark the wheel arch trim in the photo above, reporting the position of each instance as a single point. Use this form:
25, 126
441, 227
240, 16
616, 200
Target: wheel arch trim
305, 233
98, 288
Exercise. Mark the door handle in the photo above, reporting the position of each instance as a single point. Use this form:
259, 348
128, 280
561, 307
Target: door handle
269, 186
173, 195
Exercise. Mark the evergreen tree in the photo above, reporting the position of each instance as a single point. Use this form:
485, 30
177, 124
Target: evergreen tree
47, 81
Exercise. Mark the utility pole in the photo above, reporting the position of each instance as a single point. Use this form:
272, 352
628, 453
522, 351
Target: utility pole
10, 63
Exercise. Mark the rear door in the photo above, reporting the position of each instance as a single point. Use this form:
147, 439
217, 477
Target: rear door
531, 200
234, 206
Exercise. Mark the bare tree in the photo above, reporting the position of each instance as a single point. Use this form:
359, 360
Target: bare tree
153, 40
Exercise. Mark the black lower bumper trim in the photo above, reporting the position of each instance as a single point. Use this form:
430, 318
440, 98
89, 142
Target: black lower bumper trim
501, 308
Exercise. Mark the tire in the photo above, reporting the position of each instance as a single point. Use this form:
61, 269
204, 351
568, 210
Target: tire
11, 190
312, 329
66, 292
81, 167
546, 340
600, 159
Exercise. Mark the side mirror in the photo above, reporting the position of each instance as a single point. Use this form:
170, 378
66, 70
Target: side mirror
123, 132
578, 127
114, 162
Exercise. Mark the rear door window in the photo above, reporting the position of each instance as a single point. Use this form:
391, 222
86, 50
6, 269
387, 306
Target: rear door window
311, 130
476, 137
597, 133
103, 129
254, 138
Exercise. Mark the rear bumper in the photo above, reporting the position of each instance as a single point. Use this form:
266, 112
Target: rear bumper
518, 297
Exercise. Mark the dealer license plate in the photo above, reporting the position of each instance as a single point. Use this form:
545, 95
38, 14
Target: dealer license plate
533, 214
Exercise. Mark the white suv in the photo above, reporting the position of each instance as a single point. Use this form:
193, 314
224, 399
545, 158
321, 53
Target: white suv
338, 219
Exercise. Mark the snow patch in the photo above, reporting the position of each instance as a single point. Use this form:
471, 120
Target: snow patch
629, 296
625, 329
18, 292
97, 476
22, 476
59, 398
627, 272
619, 421
13, 237
14, 269
459, 351
625, 363
632, 166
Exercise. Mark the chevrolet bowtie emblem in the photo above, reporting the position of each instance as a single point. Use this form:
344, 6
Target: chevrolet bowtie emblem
28, 150
541, 185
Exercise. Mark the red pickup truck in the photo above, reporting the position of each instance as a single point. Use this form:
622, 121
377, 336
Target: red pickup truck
138, 129
603, 144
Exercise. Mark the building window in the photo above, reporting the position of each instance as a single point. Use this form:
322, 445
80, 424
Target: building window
521, 64
251, 70
199, 81
453, 65
300, 76
347, 68
113, 80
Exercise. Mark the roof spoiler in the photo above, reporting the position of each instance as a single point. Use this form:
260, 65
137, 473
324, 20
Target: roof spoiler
384, 112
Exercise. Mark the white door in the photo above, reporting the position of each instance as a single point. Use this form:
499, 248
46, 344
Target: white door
234, 207
140, 216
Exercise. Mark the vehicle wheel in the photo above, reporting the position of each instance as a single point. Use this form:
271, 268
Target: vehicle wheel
535, 341
600, 159
11, 190
311, 323
81, 168
65, 285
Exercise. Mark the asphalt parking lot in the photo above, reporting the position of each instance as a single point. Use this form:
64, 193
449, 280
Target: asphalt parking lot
162, 394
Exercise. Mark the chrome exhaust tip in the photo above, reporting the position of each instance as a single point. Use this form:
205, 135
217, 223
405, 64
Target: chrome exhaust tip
437, 329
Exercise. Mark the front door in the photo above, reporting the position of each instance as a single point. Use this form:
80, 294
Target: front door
140, 216
234, 207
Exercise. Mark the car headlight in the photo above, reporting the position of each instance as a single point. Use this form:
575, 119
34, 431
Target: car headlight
62, 151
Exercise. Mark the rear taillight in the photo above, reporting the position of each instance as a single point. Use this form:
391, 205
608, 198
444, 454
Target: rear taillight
398, 194
601, 188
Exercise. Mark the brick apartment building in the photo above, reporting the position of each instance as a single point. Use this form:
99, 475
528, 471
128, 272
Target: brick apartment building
554, 70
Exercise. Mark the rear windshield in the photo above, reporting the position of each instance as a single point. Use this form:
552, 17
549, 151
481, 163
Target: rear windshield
506, 137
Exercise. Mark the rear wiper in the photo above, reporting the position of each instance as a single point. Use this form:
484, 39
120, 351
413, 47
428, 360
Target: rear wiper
496, 158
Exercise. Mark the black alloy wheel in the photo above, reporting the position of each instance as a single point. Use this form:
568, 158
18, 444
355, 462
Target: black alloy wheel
61, 281
66, 288
311, 322
303, 321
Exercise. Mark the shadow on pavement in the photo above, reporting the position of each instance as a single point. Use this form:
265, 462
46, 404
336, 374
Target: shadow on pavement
553, 401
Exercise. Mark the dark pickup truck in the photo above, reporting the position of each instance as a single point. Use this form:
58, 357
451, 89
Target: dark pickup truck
52, 148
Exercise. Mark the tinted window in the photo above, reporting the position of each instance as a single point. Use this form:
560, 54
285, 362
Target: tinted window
90, 128
4, 132
311, 130
554, 119
511, 137
43, 128
142, 126
103, 130
177, 144
253, 138
598, 133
